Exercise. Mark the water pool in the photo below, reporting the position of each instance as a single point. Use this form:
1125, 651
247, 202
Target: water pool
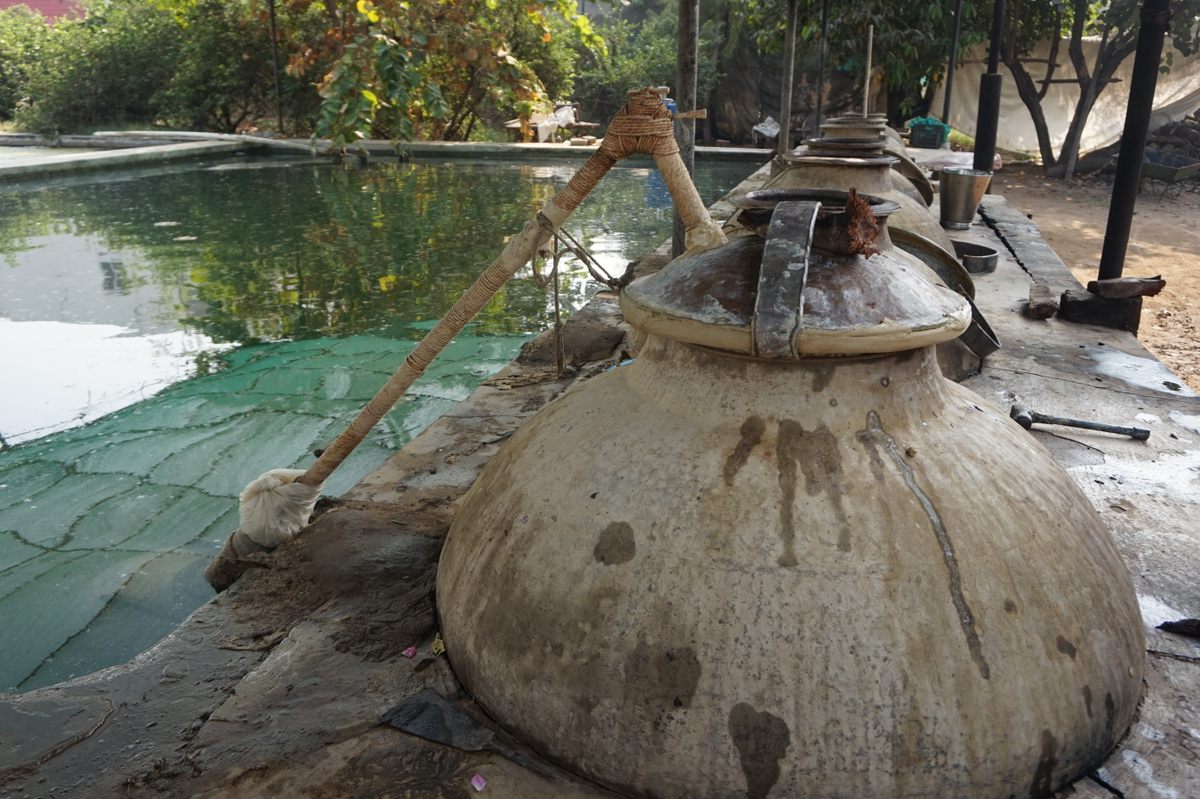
167, 334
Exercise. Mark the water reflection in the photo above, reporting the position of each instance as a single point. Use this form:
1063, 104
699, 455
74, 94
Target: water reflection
290, 294
246, 251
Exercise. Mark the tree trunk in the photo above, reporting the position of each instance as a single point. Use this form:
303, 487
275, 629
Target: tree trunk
1109, 58
1029, 95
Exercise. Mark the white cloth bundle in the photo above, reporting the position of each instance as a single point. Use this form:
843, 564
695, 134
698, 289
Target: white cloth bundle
274, 508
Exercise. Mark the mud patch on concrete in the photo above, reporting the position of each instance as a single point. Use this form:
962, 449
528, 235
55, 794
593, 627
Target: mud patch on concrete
616, 545
752, 433
761, 740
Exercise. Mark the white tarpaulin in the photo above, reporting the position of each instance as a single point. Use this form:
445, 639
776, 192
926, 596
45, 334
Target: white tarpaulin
1177, 95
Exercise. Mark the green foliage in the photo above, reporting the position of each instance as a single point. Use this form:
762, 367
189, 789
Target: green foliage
22, 35
104, 68
430, 69
203, 64
911, 39
641, 53
223, 72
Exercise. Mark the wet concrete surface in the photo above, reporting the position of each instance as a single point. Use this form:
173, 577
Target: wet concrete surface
280, 685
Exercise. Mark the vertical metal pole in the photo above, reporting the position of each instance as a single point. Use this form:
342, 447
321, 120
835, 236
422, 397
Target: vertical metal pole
867, 81
687, 55
821, 62
952, 63
1155, 16
275, 63
990, 85
789, 79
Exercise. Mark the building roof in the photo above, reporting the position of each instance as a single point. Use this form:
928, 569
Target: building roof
50, 9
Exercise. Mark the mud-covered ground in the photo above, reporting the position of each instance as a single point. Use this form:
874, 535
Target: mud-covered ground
1165, 240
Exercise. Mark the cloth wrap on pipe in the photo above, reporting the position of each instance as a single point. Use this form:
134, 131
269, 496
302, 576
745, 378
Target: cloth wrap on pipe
274, 508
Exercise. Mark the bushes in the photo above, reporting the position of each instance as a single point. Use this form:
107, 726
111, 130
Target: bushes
22, 34
223, 72
202, 64
104, 68
640, 54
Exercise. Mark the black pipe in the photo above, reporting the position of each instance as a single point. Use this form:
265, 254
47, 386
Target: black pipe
953, 61
997, 36
821, 64
1155, 16
275, 64
990, 85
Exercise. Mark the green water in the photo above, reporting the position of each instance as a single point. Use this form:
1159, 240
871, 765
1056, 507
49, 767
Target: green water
255, 305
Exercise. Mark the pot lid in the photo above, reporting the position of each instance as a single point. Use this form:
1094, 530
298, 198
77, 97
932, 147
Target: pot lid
822, 280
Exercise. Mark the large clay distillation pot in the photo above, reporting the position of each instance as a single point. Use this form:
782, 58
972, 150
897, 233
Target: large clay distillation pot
780, 555
861, 164
875, 126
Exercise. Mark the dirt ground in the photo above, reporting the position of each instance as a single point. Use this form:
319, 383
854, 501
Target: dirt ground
1165, 240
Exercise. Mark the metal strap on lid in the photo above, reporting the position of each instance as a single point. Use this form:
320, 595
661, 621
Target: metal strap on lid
779, 303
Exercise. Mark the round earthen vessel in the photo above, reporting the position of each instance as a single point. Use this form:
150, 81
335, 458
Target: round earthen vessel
815, 167
782, 556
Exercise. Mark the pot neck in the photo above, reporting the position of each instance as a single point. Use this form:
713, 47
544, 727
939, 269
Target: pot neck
695, 382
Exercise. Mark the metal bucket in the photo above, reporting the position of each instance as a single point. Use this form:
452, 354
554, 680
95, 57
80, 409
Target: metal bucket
960, 191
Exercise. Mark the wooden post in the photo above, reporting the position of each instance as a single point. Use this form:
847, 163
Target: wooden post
821, 63
867, 80
789, 79
952, 62
687, 56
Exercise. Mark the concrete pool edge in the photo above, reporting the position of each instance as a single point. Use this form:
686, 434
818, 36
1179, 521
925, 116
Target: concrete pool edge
125, 149
279, 684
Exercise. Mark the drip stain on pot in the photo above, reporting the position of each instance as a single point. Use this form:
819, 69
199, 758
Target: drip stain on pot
788, 453
752, 433
666, 677
875, 436
1066, 647
1043, 778
822, 466
821, 377
816, 454
1110, 718
1087, 699
616, 544
761, 740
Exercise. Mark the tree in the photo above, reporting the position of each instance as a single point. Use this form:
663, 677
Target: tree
1115, 24
426, 68
911, 39
641, 52
222, 77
